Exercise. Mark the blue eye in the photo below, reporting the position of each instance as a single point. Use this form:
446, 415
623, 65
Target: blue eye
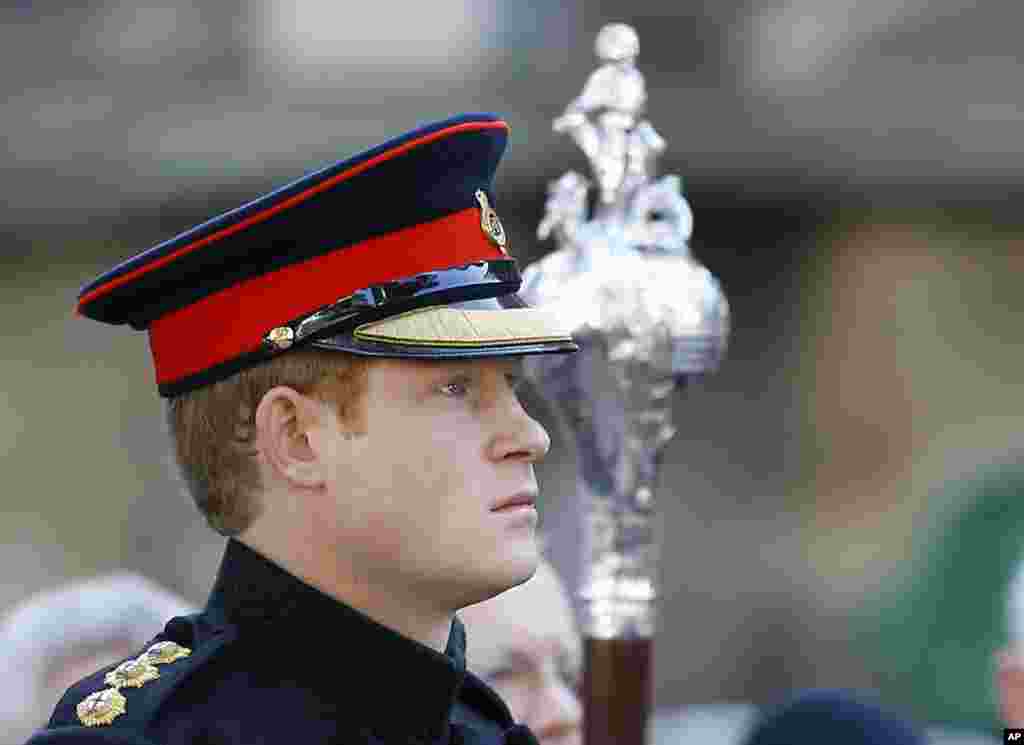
457, 388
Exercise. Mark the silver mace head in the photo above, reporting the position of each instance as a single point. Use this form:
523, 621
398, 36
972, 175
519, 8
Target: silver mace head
626, 274
646, 314
644, 304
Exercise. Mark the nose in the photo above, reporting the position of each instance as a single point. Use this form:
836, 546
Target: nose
519, 436
557, 716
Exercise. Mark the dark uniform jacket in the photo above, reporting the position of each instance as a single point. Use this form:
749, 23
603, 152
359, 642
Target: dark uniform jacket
273, 660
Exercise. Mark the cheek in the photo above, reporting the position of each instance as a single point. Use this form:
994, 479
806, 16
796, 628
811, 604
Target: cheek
441, 466
403, 490
412, 483
437, 494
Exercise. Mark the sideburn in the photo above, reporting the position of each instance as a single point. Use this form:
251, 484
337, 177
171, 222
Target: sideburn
345, 390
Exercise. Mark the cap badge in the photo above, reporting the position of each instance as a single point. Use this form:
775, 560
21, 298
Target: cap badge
131, 674
102, 707
163, 652
489, 221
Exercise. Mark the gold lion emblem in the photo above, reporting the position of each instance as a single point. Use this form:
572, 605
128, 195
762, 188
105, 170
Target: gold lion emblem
490, 223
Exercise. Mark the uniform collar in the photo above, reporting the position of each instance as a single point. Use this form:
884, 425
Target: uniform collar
336, 651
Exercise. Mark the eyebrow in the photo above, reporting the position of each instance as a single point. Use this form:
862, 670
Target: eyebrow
431, 373
514, 366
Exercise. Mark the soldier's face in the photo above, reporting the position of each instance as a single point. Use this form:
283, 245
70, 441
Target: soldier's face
443, 443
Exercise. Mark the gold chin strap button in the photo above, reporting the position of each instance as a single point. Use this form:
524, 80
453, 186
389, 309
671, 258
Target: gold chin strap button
281, 337
102, 707
132, 674
163, 652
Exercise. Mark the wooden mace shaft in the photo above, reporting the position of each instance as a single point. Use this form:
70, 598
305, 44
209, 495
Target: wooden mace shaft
616, 691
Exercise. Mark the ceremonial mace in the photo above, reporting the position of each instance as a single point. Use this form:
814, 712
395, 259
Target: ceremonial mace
649, 319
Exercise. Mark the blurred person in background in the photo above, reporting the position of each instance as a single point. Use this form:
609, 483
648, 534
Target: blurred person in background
933, 634
1009, 660
524, 644
832, 716
53, 638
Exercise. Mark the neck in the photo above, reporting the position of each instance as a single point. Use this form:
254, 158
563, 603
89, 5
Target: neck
375, 594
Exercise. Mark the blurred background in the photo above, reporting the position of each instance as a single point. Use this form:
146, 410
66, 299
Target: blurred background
842, 499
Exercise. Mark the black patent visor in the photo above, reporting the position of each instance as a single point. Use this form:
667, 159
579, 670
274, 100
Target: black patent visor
476, 281
483, 286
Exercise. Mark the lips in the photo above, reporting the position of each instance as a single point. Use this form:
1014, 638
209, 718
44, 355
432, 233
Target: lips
522, 499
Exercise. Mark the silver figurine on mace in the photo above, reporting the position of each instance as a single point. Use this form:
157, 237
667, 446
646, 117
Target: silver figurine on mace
648, 318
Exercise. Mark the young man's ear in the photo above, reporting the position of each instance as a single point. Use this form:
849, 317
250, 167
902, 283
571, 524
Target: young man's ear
284, 419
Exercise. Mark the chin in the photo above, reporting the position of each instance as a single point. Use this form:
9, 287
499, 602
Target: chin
509, 570
521, 564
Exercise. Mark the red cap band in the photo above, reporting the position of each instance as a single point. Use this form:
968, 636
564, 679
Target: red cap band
233, 321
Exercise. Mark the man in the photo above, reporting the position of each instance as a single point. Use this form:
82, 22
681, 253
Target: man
51, 639
931, 634
524, 644
340, 357
1009, 658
